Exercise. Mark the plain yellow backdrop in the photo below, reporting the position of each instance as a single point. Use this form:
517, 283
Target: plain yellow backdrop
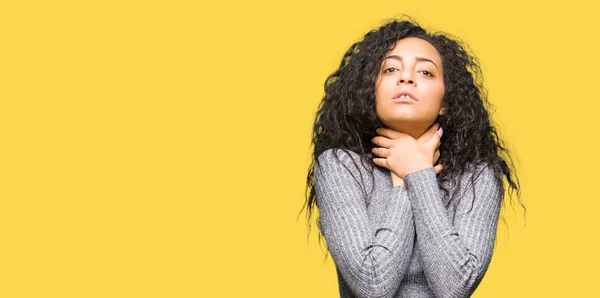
160, 148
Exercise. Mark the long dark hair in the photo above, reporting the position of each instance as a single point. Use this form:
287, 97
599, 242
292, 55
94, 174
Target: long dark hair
347, 118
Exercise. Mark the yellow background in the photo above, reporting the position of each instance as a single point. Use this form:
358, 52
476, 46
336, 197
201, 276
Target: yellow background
160, 148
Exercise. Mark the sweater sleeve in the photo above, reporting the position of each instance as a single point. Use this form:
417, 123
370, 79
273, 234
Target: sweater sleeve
455, 256
370, 246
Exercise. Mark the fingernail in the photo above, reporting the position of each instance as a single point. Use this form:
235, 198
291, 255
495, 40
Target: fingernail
440, 132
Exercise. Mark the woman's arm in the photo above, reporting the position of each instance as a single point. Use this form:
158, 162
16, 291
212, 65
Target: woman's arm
371, 246
455, 256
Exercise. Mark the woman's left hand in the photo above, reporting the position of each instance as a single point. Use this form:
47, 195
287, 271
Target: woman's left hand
402, 154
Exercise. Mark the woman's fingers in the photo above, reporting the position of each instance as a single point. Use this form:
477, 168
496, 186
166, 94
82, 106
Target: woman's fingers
382, 162
427, 135
381, 152
382, 141
438, 169
436, 156
389, 133
434, 141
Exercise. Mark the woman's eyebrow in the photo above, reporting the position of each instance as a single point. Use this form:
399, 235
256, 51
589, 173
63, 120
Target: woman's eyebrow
417, 58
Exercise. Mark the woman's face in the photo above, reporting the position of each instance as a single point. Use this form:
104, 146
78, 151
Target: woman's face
410, 86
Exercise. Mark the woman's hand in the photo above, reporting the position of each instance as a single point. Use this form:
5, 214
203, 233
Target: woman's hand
402, 154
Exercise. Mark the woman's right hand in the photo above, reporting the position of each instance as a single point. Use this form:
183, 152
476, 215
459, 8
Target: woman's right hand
397, 181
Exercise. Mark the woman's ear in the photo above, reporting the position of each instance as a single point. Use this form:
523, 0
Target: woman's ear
443, 111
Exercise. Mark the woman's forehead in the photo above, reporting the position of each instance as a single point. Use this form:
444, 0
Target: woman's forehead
412, 47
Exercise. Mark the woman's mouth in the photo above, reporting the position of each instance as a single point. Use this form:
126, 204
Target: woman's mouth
404, 96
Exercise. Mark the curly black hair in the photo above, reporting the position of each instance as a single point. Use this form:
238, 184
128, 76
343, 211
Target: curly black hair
347, 118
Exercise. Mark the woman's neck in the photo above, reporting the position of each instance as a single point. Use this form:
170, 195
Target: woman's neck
414, 130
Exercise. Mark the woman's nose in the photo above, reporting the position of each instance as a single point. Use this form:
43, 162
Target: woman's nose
406, 78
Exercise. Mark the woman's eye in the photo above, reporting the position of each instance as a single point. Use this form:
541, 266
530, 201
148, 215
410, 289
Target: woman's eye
427, 73
390, 68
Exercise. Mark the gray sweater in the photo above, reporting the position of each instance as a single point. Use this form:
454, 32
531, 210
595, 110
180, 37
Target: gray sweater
403, 241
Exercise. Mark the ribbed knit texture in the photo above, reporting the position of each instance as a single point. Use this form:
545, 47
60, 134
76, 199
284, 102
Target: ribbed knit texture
403, 241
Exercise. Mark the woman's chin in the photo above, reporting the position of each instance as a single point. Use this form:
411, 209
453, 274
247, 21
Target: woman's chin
407, 125
401, 119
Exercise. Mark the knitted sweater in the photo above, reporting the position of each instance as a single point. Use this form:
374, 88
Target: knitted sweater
405, 241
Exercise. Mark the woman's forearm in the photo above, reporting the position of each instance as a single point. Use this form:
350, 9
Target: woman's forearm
371, 246
455, 255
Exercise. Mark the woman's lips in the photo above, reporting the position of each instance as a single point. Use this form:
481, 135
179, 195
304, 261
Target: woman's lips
404, 96
403, 99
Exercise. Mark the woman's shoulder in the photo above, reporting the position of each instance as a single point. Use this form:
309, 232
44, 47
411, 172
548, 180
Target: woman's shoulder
482, 170
479, 177
348, 165
341, 155
470, 175
339, 159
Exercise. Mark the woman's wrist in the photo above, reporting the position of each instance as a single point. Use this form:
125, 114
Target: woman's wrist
397, 181
413, 170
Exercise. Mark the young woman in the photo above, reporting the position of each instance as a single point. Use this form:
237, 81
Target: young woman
408, 170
